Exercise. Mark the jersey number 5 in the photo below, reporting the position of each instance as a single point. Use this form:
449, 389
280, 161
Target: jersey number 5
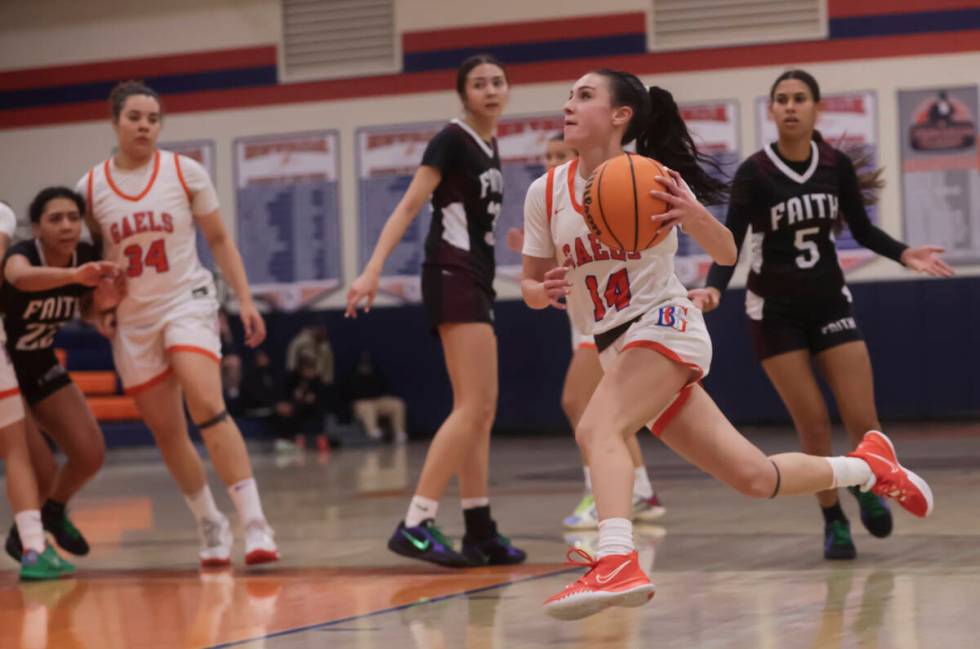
156, 256
617, 293
811, 254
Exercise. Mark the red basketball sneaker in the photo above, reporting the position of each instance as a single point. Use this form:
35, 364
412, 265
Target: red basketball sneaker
615, 580
891, 478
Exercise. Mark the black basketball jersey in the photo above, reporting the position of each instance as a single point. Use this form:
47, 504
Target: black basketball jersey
466, 202
792, 209
31, 319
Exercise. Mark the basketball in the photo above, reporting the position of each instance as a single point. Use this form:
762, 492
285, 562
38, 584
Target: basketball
618, 204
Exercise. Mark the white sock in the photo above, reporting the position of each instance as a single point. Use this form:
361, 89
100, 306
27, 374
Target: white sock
641, 483
588, 478
202, 505
245, 496
851, 472
419, 509
30, 529
615, 536
471, 503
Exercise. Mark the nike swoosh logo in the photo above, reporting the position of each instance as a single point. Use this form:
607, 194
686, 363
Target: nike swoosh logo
886, 461
421, 544
604, 579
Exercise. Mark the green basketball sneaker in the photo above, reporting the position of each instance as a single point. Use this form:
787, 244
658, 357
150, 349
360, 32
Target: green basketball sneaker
44, 566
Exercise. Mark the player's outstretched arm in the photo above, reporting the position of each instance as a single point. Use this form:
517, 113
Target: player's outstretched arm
365, 287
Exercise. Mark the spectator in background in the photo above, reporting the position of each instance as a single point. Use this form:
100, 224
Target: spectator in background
259, 390
301, 412
314, 341
371, 399
231, 361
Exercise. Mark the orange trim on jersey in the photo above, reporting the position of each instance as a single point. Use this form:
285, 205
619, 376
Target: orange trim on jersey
586, 346
146, 385
195, 350
669, 353
9, 393
572, 169
149, 185
660, 423
180, 176
549, 189
88, 192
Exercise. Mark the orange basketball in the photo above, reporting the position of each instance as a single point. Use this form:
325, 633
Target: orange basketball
618, 204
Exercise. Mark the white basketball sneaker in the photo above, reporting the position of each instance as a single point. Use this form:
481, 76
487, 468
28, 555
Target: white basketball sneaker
216, 540
260, 547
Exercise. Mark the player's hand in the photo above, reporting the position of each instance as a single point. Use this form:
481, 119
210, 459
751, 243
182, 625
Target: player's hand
515, 240
93, 272
683, 206
364, 287
109, 292
556, 286
926, 259
252, 323
706, 299
105, 323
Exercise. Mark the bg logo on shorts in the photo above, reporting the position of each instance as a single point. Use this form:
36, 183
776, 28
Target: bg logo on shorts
674, 317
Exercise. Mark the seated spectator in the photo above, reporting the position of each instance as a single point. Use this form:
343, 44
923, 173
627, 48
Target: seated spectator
301, 411
314, 341
259, 390
231, 360
371, 399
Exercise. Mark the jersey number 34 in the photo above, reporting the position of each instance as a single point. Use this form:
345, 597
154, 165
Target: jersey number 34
156, 257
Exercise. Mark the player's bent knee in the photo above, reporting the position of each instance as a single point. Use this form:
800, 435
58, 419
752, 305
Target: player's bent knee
757, 480
204, 425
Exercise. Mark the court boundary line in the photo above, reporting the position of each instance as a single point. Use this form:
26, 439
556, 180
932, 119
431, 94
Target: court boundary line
391, 609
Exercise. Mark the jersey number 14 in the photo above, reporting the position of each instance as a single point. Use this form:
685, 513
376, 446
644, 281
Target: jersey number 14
617, 294
156, 257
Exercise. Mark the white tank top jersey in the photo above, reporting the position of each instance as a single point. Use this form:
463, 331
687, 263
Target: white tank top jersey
146, 217
609, 287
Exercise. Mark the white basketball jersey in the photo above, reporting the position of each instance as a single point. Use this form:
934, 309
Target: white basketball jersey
152, 237
609, 287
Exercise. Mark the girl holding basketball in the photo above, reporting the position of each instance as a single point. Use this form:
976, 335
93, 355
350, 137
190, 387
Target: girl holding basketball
145, 206
652, 341
460, 170
796, 193
581, 379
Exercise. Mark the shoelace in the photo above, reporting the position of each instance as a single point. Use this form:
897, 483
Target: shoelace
574, 557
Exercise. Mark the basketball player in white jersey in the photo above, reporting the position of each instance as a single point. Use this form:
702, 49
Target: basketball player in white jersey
652, 341
145, 206
581, 379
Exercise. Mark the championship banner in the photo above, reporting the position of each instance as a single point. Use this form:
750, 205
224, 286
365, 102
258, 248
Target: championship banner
202, 151
848, 121
714, 126
522, 142
941, 170
387, 157
286, 189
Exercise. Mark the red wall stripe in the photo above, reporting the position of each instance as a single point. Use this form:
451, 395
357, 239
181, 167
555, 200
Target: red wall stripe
524, 32
64, 75
443, 80
852, 8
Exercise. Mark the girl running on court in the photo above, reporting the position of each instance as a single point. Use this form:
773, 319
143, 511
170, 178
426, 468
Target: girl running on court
460, 171
795, 194
38, 560
47, 281
581, 379
653, 344
145, 206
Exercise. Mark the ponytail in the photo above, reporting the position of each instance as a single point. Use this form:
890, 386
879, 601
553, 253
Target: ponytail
661, 134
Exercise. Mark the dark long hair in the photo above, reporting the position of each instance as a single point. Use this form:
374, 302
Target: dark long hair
870, 180
660, 133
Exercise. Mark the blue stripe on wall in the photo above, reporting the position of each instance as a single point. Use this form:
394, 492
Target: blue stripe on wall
911, 23
615, 45
164, 84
